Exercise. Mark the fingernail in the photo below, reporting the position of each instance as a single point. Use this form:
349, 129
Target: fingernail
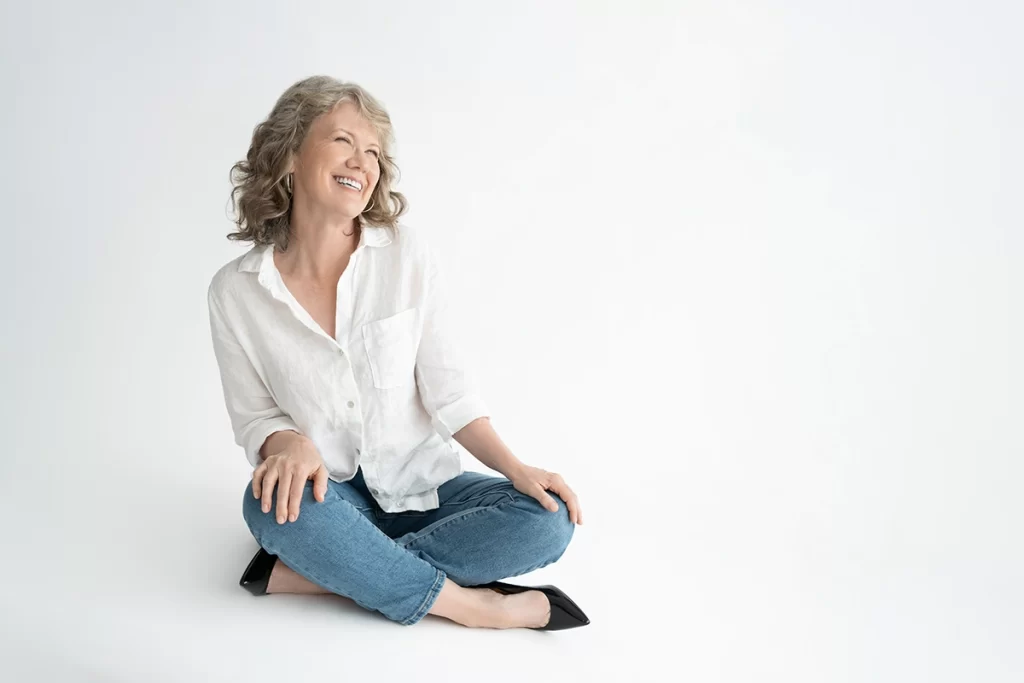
293, 518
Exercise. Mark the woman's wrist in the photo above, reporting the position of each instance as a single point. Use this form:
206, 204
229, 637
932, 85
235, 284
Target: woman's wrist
513, 470
278, 441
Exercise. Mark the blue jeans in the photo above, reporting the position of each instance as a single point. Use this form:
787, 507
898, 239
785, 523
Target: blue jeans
396, 562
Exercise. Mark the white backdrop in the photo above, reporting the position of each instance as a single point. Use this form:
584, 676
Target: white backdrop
745, 273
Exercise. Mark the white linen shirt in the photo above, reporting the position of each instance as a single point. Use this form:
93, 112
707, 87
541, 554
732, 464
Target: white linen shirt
387, 395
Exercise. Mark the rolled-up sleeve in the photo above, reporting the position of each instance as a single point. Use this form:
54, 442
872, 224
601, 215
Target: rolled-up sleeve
252, 410
446, 387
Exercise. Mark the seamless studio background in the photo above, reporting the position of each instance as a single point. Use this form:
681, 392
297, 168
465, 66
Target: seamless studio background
747, 274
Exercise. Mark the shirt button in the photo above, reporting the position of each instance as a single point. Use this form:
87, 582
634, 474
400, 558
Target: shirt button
351, 404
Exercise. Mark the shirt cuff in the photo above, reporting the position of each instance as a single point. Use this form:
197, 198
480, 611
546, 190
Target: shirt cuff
454, 416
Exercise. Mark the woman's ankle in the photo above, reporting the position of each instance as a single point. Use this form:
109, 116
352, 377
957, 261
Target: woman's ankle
472, 607
283, 579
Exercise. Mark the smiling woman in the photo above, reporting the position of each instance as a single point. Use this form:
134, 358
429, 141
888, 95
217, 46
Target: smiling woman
345, 388
315, 127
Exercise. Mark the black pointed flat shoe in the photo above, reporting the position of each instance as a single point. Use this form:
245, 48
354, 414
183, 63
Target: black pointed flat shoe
257, 574
564, 612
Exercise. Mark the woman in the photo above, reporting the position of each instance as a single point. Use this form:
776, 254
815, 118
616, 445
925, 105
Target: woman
345, 389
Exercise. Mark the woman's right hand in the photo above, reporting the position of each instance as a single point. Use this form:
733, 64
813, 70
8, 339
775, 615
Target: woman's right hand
290, 469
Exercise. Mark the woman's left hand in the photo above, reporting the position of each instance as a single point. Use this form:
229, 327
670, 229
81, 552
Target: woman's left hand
536, 482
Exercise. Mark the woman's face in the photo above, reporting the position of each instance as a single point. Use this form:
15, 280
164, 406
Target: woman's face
339, 144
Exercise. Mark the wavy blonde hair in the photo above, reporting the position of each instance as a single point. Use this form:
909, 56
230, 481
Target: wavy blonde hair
259, 197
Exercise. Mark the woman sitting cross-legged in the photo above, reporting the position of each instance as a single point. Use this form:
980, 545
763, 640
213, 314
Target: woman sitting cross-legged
345, 388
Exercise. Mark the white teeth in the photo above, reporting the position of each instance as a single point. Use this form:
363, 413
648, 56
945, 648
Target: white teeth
351, 183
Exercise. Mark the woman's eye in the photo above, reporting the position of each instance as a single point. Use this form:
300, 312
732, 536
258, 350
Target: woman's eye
375, 153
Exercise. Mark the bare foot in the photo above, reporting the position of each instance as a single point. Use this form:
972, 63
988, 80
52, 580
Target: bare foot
529, 609
283, 579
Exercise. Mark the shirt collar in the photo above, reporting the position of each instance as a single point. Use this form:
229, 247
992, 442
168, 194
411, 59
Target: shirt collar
370, 236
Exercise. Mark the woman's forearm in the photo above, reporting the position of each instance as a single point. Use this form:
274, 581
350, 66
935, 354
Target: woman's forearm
484, 444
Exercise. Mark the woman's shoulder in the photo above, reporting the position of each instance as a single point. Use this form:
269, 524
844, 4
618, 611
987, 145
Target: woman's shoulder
227, 279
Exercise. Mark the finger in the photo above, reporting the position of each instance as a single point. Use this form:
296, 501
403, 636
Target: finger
572, 502
573, 506
545, 500
282, 495
320, 484
298, 485
257, 479
267, 492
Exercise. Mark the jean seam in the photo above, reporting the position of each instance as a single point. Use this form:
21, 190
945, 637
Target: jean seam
455, 518
337, 495
428, 601
471, 499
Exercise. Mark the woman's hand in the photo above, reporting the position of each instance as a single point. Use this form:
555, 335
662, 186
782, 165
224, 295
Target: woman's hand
535, 482
290, 468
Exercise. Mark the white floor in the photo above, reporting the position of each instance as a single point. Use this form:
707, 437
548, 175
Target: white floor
139, 582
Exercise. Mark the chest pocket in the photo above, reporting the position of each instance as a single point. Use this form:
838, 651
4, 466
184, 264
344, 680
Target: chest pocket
391, 345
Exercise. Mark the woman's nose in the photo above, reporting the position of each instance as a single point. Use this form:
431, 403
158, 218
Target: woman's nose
360, 158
